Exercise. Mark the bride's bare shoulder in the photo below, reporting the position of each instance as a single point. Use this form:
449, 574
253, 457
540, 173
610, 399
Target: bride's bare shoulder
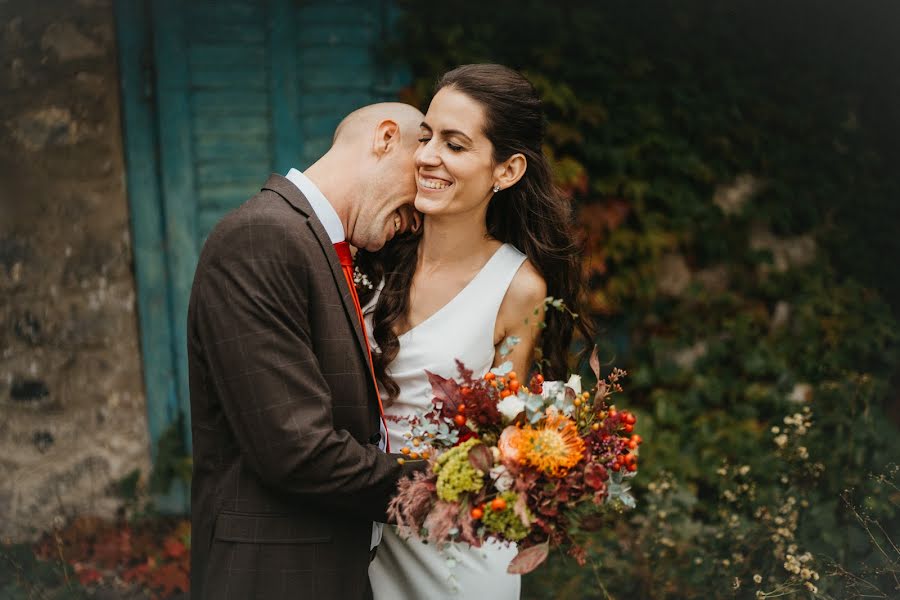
526, 292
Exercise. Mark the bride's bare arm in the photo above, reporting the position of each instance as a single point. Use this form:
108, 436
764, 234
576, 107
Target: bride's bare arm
517, 318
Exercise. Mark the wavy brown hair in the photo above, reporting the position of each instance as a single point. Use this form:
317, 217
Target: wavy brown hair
531, 215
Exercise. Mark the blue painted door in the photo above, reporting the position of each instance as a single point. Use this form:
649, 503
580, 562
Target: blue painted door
217, 95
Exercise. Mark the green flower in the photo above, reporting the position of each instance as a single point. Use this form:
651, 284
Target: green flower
456, 475
506, 522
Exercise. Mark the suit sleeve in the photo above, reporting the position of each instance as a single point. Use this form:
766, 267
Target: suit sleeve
250, 318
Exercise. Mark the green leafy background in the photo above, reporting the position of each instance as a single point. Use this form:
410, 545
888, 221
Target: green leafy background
733, 166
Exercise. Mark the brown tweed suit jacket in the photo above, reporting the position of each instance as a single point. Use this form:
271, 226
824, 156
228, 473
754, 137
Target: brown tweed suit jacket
286, 480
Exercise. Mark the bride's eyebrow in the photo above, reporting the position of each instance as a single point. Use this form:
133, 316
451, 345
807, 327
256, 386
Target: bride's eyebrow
446, 132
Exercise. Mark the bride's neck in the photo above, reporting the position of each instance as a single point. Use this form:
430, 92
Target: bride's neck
450, 240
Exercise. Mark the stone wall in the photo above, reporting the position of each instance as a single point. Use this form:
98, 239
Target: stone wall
72, 414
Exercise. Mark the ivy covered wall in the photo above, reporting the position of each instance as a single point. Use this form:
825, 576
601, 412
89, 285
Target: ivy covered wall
734, 170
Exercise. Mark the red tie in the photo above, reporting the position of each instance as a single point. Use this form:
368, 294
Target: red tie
346, 258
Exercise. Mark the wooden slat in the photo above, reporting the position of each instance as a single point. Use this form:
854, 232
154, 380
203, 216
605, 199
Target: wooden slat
329, 101
222, 198
327, 14
338, 34
246, 124
229, 77
350, 78
199, 11
147, 230
176, 158
210, 148
284, 85
213, 32
218, 55
245, 170
335, 56
229, 102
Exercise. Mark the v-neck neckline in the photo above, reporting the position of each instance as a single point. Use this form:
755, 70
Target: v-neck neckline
459, 294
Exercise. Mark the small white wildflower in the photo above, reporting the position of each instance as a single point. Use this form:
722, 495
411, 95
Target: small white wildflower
757, 578
811, 587
805, 573
744, 470
781, 440
737, 584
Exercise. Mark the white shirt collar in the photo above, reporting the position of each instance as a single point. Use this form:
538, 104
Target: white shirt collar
320, 205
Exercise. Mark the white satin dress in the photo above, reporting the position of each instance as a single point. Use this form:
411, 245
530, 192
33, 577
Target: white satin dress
463, 329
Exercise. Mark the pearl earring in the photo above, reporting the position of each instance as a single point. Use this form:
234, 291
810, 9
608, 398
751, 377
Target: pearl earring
496, 188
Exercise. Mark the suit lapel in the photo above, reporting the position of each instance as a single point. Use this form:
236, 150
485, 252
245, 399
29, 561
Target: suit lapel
287, 190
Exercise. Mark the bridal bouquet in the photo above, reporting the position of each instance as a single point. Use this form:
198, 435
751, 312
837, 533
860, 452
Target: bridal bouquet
515, 462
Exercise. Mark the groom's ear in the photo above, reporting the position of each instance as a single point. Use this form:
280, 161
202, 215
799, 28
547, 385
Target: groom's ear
387, 135
510, 171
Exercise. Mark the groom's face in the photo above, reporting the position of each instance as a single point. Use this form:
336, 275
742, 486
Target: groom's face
387, 206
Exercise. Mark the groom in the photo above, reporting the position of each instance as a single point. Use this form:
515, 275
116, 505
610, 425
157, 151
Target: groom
288, 474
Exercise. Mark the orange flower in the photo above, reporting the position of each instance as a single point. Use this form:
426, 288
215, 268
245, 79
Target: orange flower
508, 443
553, 446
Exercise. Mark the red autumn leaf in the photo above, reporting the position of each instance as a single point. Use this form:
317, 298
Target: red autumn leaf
174, 548
445, 391
138, 574
529, 559
88, 575
595, 476
169, 578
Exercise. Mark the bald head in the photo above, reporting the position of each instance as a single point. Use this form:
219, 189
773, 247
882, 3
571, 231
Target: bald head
360, 124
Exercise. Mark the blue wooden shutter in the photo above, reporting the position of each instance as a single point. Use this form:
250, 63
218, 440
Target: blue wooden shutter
217, 95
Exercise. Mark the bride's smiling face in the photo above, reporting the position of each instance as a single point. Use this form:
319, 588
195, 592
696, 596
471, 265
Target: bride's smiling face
455, 169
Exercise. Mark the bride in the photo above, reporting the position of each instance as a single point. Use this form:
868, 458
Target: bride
496, 241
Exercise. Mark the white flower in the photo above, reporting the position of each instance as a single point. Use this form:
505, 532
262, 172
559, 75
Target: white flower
503, 481
510, 407
552, 390
574, 382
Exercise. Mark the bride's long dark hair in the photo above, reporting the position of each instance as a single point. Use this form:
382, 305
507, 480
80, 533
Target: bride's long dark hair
531, 215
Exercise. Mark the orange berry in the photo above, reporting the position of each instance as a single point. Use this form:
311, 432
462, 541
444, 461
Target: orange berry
632, 467
505, 393
498, 504
489, 376
405, 450
595, 426
459, 420
425, 455
494, 383
502, 380
465, 391
461, 408
539, 378
414, 455
477, 513
513, 386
